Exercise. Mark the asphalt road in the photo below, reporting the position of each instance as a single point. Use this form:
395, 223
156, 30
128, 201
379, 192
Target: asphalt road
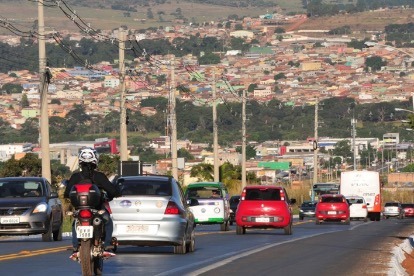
327, 249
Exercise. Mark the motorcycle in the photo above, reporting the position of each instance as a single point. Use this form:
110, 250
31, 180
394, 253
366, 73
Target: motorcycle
89, 224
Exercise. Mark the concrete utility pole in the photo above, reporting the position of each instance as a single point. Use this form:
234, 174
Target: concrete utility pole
215, 131
315, 146
123, 126
173, 123
43, 88
353, 123
244, 139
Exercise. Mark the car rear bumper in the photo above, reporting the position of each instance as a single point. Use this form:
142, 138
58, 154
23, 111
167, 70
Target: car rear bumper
332, 217
147, 233
273, 222
391, 214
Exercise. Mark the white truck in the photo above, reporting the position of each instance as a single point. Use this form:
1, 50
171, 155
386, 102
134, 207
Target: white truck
365, 184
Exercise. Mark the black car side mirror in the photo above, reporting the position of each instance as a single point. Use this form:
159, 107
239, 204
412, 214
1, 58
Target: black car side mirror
192, 202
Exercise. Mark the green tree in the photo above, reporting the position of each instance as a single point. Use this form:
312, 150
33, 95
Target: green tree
25, 100
183, 153
250, 151
108, 164
374, 63
343, 149
29, 165
209, 58
12, 88
55, 101
203, 172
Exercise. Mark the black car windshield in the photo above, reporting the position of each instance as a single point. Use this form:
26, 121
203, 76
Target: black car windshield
21, 189
308, 204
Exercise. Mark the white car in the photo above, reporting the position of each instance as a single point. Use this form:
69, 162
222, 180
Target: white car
358, 207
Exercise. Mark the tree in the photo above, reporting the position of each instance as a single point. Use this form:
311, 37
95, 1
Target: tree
108, 164
343, 148
238, 27
209, 58
29, 165
203, 172
183, 153
374, 63
250, 151
25, 101
12, 88
150, 14
251, 87
55, 101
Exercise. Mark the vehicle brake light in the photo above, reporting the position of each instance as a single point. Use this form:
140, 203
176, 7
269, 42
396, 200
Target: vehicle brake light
172, 209
243, 194
364, 206
85, 214
282, 195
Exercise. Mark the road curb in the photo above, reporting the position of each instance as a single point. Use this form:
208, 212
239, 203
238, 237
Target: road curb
398, 256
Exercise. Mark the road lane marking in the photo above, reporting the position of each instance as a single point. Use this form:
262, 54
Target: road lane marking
27, 253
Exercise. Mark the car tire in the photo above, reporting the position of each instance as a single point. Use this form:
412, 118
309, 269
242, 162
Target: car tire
365, 219
347, 221
225, 226
190, 246
317, 222
240, 230
57, 235
288, 229
47, 237
181, 248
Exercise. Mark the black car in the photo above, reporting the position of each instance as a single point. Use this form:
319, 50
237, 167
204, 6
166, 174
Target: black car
307, 209
234, 202
28, 206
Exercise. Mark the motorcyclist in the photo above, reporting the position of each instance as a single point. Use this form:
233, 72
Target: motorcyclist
88, 162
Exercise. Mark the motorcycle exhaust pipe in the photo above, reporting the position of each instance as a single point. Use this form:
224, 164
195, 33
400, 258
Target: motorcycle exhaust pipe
97, 221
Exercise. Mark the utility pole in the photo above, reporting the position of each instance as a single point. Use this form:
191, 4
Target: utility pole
123, 125
315, 146
43, 89
173, 123
244, 139
353, 123
215, 132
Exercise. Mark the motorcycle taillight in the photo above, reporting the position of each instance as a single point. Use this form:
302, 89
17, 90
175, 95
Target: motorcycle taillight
85, 214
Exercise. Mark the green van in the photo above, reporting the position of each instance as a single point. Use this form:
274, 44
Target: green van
209, 202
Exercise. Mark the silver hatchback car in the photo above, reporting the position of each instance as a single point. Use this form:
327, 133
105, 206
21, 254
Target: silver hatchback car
152, 211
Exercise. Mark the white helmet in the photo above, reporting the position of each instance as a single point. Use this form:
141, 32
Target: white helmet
88, 155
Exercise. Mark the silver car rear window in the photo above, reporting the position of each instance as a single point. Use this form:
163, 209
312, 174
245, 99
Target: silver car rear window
145, 187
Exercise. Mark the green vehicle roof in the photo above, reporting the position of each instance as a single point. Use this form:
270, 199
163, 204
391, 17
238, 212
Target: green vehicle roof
206, 184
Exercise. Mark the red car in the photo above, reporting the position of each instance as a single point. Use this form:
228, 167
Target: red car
264, 207
332, 207
408, 209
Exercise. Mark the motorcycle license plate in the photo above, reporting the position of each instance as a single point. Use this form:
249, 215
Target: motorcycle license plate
84, 232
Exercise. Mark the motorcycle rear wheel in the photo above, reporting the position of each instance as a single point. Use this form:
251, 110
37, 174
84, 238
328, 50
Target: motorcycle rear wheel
85, 256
